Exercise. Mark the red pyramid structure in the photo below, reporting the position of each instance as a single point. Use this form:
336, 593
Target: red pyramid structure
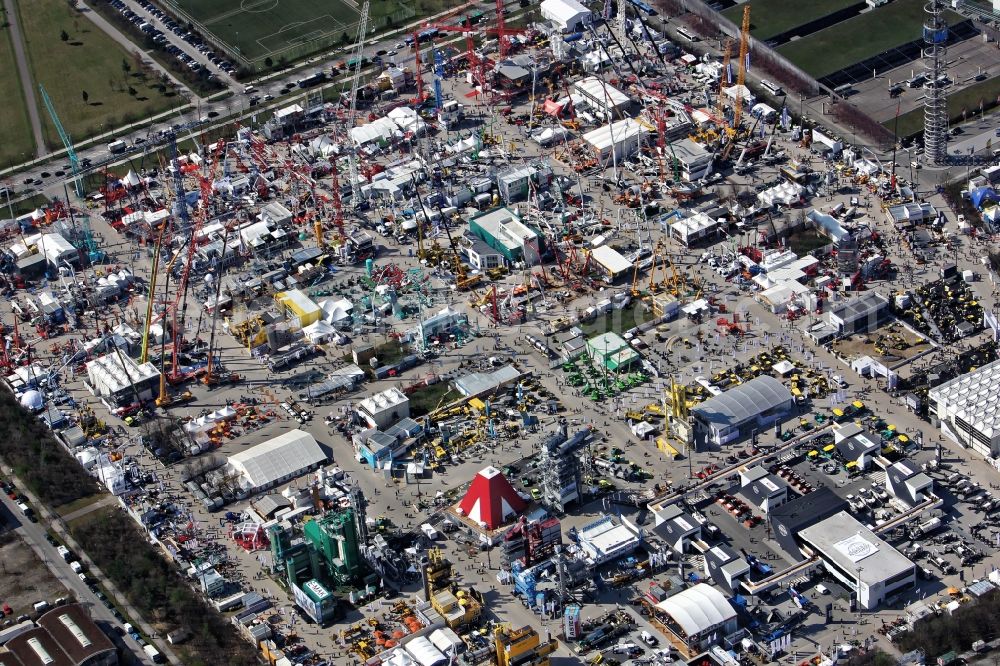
491, 499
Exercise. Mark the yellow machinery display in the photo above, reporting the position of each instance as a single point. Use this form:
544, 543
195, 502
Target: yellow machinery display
523, 647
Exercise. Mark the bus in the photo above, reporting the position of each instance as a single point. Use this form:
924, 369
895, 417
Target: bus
312, 80
687, 34
643, 7
770, 87
844, 90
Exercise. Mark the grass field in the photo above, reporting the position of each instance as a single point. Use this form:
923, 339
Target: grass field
913, 121
16, 142
88, 60
290, 29
773, 17
859, 38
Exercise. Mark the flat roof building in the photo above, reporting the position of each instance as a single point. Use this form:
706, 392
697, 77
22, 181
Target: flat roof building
503, 230
606, 539
602, 97
726, 567
277, 460
611, 351
677, 528
861, 314
610, 262
908, 483
859, 559
695, 161
739, 411
761, 489
383, 409
859, 447
620, 139
967, 409
118, 378
298, 307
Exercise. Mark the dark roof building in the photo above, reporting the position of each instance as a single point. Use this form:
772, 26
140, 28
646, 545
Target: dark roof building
726, 567
761, 489
677, 528
65, 636
797, 514
907, 482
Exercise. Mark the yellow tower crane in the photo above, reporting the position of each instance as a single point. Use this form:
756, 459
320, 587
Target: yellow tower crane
742, 76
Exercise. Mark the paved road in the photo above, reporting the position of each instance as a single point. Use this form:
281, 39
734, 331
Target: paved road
34, 535
24, 72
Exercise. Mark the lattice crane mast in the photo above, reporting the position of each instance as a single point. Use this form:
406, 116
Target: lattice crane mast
355, 82
743, 66
74, 161
724, 77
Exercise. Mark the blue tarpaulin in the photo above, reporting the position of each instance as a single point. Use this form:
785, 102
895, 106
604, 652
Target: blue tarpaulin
981, 195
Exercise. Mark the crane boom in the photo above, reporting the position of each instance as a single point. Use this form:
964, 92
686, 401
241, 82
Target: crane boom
742, 76
74, 161
355, 81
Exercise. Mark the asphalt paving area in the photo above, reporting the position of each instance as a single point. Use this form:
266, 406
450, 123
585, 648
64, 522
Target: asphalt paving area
966, 59
24, 580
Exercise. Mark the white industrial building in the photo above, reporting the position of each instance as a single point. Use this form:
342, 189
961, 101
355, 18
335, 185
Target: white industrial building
383, 409
740, 411
967, 409
276, 461
695, 161
606, 539
566, 15
602, 97
619, 140
119, 380
690, 230
859, 559
610, 262
699, 617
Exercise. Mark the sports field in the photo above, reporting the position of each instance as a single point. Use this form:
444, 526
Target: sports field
257, 29
859, 38
774, 17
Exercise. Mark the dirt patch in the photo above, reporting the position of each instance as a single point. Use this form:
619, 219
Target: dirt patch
889, 345
24, 579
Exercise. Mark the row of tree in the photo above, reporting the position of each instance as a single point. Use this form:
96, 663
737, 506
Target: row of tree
157, 590
44, 466
115, 543
957, 632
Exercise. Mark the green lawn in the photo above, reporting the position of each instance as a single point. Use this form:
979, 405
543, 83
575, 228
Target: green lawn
16, 142
859, 38
88, 60
913, 121
773, 17
267, 27
291, 29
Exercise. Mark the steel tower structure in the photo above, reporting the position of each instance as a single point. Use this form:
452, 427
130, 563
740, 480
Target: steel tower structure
935, 104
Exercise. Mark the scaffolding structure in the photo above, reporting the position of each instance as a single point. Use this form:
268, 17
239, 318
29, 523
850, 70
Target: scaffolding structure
935, 102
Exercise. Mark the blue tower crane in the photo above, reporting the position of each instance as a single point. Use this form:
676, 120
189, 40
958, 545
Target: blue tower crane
73, 160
